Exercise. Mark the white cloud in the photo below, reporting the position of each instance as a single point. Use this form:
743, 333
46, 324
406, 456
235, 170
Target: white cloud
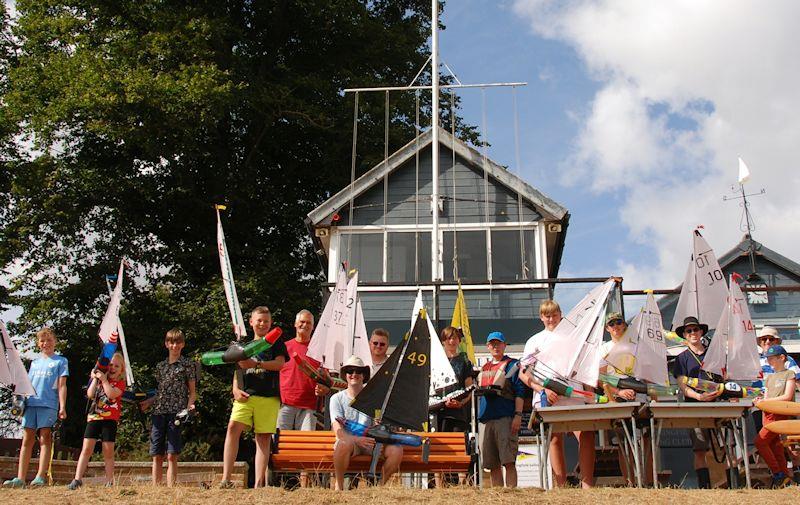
685, 88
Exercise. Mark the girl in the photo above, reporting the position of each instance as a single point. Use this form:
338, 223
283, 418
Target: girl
105, 391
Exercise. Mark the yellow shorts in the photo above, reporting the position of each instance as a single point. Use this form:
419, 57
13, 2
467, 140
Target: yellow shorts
258, 412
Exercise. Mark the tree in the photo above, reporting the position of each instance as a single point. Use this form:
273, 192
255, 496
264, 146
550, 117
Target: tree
141, 115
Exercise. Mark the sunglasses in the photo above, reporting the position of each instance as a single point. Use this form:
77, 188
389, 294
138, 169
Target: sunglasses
354, 372
378, 344
769, 339
693, 329
616, 322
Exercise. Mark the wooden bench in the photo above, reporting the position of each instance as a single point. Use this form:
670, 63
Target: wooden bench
312, 451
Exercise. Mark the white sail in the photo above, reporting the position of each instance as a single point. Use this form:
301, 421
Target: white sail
237, 320
128, 369
110, 323
341, 331
580, 332
12, 365
442, 374
704, 292
732, 352
642, 352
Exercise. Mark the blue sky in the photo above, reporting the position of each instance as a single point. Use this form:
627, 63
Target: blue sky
634, 117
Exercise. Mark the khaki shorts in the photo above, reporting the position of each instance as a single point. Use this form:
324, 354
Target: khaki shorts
498, 446
258, 412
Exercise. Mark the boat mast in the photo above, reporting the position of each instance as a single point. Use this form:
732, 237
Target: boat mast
436, 252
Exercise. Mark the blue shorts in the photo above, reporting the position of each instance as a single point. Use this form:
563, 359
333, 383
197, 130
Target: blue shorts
39, 417
165, 437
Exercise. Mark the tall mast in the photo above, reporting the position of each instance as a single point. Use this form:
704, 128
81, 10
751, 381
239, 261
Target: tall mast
435, 249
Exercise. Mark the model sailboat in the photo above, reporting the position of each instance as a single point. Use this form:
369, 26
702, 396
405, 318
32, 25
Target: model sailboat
642, 351
341, 331
581, 331
128, 368
12, 371
703, 293
732, 353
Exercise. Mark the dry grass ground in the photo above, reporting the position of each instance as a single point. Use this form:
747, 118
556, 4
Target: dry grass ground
190, 495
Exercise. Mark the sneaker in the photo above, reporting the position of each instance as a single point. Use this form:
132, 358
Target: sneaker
109, 484
75, 484
16, 482
38, 482
226, 484
780, 480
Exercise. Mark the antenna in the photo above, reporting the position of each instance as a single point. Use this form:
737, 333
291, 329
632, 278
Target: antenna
746, 224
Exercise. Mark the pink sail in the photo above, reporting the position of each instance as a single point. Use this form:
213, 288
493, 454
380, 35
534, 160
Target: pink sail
732, 352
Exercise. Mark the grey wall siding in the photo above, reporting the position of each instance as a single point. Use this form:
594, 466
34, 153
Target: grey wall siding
514, 312
463, 204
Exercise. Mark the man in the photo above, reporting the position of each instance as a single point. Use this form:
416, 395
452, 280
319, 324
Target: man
500, 414
298, 391
378, 347
347, 445
689, 363
550, 315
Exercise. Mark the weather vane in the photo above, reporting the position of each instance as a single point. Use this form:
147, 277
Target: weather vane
746, 224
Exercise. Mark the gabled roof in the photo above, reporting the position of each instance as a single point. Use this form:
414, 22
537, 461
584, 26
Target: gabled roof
547, 207
743, 249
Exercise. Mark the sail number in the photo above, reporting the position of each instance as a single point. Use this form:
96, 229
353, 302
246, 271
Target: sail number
655, 335
714, 275
417, 358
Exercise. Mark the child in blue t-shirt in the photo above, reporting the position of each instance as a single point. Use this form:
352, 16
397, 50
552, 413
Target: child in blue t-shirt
48, 374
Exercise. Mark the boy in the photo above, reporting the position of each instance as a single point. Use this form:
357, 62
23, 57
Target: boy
550, 315
779, 386
689, 363
176, 377
500, 416
48, 374
256, 394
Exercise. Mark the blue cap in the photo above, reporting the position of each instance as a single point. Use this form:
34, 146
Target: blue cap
775, 350
496, 335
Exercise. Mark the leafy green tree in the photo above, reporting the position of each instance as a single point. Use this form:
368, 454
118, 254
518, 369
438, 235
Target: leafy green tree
135, 117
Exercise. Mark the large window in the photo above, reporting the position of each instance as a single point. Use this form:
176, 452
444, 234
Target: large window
408, 257
470, 248
508, 255
366, 254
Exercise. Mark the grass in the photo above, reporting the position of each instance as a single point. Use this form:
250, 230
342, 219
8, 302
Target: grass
391, 495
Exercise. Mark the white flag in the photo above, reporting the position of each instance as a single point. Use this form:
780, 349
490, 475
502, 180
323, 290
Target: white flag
237, 321
744, 172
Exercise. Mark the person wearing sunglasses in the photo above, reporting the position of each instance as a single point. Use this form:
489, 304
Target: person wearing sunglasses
378, 348
689, 363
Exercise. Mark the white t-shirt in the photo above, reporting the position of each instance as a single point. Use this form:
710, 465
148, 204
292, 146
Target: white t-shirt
530, 346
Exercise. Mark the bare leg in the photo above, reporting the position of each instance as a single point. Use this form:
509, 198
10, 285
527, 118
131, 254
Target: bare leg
262, 458
497, 476
25, 451
158, 469
172, 469
557, 459
83, 460
393, 455
586, 457
45, 448
231, 449
511, 475
341, 460
108, 459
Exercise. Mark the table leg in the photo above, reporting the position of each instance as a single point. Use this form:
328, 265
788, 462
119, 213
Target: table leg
655, 437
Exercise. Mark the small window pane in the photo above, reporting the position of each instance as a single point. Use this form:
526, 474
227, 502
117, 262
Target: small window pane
506, 255
366, 254
404, 263
471, 247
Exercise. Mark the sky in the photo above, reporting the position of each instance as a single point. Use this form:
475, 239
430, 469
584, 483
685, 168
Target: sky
634, 117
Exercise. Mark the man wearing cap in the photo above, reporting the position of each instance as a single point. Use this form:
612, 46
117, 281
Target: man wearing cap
689, 363
356, 373
780, 385
500, 414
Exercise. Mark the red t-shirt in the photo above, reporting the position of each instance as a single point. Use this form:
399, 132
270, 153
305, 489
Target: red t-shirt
297, 389
103, 409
